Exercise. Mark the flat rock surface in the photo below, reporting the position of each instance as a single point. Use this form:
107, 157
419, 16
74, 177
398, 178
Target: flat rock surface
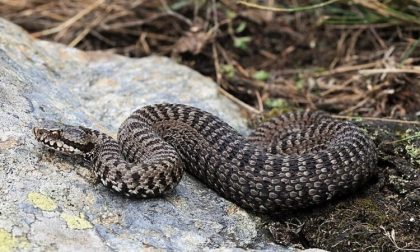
52, 202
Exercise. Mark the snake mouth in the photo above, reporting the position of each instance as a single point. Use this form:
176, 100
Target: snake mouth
52, 139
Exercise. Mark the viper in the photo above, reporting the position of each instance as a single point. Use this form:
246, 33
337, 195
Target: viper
292, 161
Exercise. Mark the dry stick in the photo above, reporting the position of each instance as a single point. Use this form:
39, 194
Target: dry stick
408, 138
331, 72
377, 119
360, 26
86, 31
213, 46
386, 11
144, 43
345, 69
102, 38
250, 109
338, 87
128, 24
260, 102
14, 4
415, 70
70, 21
381, 42
351, 48
340, 47
214, 10
216, 64
42, 8
255, 111
295, 9
358, 105
391, 236
175, 14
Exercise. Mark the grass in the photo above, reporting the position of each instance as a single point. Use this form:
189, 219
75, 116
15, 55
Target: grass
367, 11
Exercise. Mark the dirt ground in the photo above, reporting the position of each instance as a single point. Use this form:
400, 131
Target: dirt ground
358, 60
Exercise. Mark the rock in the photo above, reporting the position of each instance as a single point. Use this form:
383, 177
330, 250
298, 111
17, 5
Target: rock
52, 202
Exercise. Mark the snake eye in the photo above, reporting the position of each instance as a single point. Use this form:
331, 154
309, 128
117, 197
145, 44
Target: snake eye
55, 134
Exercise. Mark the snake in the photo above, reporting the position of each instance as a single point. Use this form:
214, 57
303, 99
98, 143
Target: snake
292, 161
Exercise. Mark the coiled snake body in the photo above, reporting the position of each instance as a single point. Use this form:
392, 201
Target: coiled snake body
293, 161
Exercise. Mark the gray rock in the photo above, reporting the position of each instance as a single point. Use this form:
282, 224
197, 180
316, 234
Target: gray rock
52, 202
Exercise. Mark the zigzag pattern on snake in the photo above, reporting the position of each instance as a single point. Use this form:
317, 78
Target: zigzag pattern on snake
293, 161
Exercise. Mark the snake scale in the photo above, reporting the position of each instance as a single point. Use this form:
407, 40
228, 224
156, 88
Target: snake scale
295, 160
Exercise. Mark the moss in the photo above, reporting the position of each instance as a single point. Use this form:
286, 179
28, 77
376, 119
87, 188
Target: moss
409, 145
407, 134
399, 184
414, 153
374, 214
76, 222
42, 201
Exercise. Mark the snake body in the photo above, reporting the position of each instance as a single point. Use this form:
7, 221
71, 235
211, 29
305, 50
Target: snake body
296, 160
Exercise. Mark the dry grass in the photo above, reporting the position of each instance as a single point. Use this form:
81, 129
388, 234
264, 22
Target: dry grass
349, 57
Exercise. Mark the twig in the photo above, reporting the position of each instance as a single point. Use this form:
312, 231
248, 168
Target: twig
216, 64
260, 102
86, 31
411, 49
214, 48
375, 34
415, 70
295, 9
239, 102
391, 236
360, 26
175, 14
214, 10
143, 42
376, 119
132, 23
386, 11
358, 105
102, 38
345, 69
69, 22
14, 4
417, 135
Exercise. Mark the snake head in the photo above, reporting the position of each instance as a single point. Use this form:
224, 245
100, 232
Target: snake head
68, 139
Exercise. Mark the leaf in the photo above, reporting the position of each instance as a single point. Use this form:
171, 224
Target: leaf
231, 14
241, 27
261, 75
228, 71
193, 42
278, 103
241, 42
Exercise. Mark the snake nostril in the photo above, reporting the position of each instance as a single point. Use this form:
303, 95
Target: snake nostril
37, 134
